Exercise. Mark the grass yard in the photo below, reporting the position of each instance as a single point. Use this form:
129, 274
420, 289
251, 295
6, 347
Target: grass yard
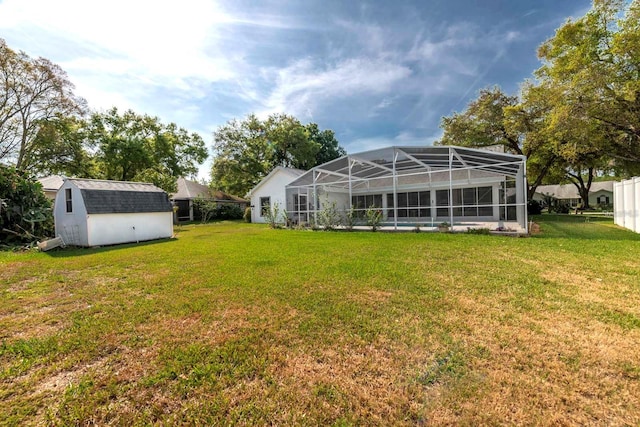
235, 323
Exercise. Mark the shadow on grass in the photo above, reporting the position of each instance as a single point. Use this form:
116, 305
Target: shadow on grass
74, 251
581, 227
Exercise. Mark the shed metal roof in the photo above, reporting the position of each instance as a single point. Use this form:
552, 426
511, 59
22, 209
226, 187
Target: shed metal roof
104, 197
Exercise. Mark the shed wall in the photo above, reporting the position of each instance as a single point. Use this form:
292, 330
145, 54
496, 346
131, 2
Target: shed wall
71, 226
110, 229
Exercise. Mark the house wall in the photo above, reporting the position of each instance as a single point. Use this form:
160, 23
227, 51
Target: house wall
274, 188
593, 197
110, 229
71, 226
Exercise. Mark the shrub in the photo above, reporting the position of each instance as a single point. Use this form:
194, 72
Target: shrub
374, 217
534, 207
25, 212
329, 217
209, 210
350, 219
561, 208
247, 214
478, 230
272, 215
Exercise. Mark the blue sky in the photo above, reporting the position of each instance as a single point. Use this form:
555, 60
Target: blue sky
377, 72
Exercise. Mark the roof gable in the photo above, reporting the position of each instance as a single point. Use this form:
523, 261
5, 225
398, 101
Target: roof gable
51, 182
294, 173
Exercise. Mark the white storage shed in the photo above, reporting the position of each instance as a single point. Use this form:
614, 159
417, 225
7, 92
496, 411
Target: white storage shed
90, 212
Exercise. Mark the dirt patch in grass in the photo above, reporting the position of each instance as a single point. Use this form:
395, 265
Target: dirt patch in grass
364, 381
62, 380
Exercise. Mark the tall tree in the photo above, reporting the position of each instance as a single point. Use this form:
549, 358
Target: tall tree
242, 156
289, 142
329, 146
494, 118
247, 150
32, 92
592, 65
61, 147
130, 145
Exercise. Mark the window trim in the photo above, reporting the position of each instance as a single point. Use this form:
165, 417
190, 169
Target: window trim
68, 198
264, 206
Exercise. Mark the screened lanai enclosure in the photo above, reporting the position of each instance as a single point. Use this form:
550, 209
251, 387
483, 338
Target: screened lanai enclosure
417, 186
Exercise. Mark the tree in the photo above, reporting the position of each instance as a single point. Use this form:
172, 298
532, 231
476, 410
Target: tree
592, 65
495, 118
130, 145
242, 155
329, 147
25, 212
32, 92
289, 142
61, 147
247, 150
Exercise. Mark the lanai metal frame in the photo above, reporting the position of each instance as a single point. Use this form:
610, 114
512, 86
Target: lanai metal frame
395, 169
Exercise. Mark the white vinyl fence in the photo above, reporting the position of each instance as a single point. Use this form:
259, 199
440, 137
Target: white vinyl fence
626, 204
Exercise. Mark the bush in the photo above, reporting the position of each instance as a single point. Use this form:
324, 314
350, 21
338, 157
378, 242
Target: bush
329, 217
272, 215
25, 212
561, 208
247, 214
374, 217
209, 210
534, 207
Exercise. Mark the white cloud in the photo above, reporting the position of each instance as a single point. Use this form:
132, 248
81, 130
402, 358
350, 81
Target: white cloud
302, 86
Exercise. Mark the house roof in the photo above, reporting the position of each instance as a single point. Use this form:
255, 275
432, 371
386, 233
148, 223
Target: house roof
191, 189
51, 182
405, 162
103, 197
569, 191
293, 172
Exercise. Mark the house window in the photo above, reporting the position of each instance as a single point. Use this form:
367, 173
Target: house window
265, 204
472, 201
411, 205
361, 203
67, 196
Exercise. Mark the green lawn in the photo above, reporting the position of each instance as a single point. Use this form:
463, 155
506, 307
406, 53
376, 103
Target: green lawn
235, 323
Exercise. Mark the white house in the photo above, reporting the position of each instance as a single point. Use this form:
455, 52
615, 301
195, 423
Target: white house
90, 212
600, 193
417, 186
50, 185
271, 191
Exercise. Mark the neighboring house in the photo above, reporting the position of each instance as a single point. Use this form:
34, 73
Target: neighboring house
188, 191
50, 185
410, 186
271, 191
91, 212
600, 193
